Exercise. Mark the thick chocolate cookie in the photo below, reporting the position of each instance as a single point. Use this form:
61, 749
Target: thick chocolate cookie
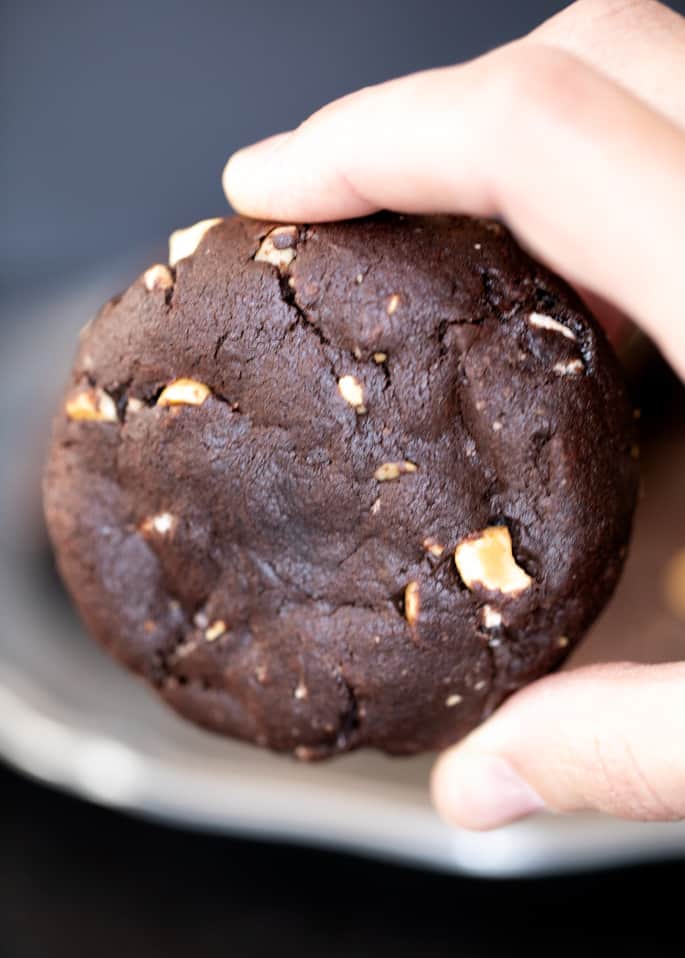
341, 485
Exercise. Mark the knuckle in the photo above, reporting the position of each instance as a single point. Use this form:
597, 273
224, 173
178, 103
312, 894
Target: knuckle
591, 9
534, 79
585, 14
595, 9
585, 23
623, 785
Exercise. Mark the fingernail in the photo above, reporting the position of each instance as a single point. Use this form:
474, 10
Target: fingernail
482, 792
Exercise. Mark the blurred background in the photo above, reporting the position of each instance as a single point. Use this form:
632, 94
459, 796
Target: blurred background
117, 118
115, 121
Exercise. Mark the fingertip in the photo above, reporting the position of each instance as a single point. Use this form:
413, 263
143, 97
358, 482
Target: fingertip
480, 792
232, 175
248, 173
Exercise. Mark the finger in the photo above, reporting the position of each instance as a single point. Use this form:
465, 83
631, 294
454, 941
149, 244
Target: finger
614, 321
638, 43
588, 176
605, 737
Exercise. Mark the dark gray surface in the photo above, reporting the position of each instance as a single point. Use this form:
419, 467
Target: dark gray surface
80, 881
116, 117
76, 880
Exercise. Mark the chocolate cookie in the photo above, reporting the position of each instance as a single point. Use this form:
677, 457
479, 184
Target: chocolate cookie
341, 485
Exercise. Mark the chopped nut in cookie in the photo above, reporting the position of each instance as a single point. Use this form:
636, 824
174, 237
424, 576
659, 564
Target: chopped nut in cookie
412, 602
162, 523
492, 226
91, 405
184, 650
184, 392
215, 630
134, 405
546, 322
392, 304
183, 243
158, 277
571, 368
393, 470
380, 358
562, 641
452, 700
85, 329
278, 247
486, 559
432, 546
491, 618
352, 392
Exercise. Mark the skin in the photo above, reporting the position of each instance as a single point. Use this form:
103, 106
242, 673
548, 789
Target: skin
575, 135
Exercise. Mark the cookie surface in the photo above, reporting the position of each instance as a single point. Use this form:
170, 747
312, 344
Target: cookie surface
341, 485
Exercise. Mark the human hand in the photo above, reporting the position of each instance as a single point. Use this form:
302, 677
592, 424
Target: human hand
575, 136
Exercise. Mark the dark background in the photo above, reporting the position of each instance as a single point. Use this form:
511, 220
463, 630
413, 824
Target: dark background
116, 118
80, 882
115, 121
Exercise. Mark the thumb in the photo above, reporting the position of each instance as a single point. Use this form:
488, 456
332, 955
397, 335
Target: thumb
607, 737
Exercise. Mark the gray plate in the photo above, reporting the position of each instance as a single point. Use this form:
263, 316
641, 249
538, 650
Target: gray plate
71, 717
